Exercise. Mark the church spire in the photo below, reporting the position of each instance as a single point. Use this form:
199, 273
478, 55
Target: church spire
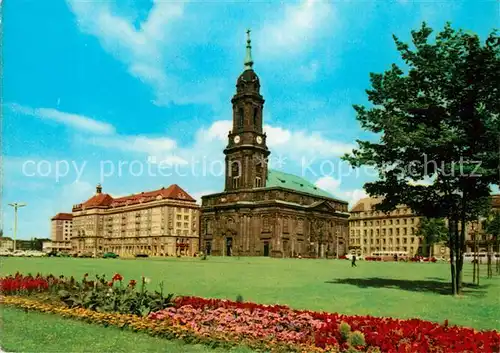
248, 57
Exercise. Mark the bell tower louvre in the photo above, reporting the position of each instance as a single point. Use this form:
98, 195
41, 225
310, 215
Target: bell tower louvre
246, 151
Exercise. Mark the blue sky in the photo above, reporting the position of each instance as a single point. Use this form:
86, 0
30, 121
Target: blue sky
95, 84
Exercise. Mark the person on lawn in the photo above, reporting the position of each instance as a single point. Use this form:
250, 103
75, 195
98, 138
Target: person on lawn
353, 263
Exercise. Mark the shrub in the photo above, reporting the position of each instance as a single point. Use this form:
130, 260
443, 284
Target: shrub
345, 330
103, 296
357, 339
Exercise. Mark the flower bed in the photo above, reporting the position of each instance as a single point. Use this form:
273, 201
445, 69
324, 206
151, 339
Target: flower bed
322, 329
215, 322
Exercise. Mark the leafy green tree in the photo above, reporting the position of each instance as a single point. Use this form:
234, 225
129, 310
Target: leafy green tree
492, 225
432, 230
438, 122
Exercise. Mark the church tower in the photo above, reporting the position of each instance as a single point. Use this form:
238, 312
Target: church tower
247, 152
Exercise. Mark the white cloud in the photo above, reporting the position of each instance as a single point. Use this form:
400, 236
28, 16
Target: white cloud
301, 144
146, 50
79, 122
299, 26
332, 186
142, 49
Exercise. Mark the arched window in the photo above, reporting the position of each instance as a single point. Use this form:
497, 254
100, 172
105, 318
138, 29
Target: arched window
235, 174
240, 117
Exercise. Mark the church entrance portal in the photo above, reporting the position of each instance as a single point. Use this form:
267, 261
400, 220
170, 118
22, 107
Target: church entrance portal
229, 246
266, 249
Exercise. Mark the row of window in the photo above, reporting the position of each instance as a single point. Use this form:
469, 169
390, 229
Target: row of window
383, 231
383, 241
380, 213
383, 222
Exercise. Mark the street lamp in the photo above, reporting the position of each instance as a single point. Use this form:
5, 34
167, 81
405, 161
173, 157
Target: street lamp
16, 205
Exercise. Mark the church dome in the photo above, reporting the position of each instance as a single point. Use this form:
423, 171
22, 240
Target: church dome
248, 81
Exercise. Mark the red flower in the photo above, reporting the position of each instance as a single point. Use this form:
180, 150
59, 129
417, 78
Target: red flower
132, 283
117, 277
110, 283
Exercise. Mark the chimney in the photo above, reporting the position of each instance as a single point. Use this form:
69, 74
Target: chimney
98, 189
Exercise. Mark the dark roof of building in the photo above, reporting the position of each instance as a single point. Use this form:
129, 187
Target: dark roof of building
63, 217
174, 192
277, 178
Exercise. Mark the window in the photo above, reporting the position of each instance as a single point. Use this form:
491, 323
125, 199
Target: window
179, 217
255, 116
240, 118
397, 221
236, 182
285, 225
404, 231
404, 221
179, 224
300, 226
265, 224
258, 182
397, 231
186, 225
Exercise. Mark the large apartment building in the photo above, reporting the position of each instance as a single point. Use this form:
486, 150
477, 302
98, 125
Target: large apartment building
157, 223
373, 231
61, 229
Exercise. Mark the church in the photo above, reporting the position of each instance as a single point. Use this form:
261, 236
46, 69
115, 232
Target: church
264, 212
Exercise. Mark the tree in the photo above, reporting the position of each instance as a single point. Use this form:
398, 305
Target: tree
432, 230
437, 122
492, 228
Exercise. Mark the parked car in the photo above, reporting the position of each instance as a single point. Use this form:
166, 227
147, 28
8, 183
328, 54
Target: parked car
19, 253
5, 253
110, 255
86, 255
35, 253
141, 255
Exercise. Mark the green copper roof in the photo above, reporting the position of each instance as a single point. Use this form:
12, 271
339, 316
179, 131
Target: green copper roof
289, 181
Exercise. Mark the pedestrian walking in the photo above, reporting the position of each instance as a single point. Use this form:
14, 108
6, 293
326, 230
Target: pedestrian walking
353, 263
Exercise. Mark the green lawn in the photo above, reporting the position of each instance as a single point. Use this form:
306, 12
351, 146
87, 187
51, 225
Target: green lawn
403, 290
37, 332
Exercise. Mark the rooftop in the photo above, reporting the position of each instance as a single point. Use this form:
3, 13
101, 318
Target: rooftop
277, 178
63, 217
174, 192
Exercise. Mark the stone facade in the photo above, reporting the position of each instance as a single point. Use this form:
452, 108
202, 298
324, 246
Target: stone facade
373, 231
254, 218
163, 222
61, 230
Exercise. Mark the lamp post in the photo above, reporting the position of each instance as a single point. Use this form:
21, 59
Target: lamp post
16, 205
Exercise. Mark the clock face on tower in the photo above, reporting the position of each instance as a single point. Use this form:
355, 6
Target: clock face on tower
236, 139
259, 140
